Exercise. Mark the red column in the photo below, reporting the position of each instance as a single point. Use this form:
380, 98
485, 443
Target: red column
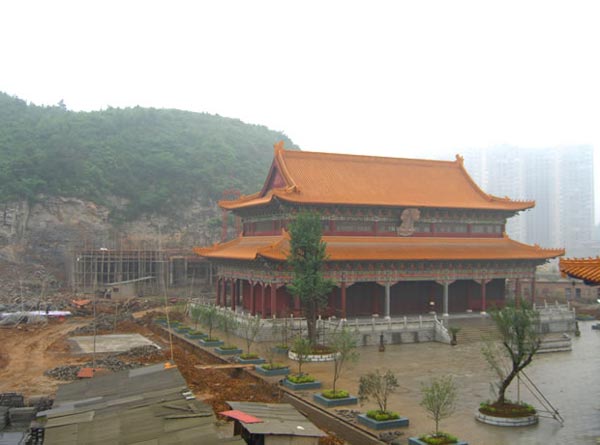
273, 299
262, 300
218, 301
252, 299
483, 286
224, 294
343, 286
234, 294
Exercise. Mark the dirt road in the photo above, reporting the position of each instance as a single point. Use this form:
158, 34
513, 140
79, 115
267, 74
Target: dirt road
27, 351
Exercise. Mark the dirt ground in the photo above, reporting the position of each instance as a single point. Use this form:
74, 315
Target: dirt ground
27, 351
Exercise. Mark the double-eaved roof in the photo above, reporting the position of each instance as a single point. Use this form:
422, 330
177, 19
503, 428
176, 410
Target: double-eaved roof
372, 248
303, 177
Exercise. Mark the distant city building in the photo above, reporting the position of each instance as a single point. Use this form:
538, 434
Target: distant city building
559, 179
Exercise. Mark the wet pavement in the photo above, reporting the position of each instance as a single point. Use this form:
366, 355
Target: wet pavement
570, 380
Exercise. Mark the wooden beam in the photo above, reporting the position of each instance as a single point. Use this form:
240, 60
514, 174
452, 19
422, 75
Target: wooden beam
226, 366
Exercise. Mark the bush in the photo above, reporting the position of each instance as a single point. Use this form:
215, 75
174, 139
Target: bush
338, 394
196, 333
272, 366
382, 416
228, 347
301, 378
507, 409
248, 356
438, 439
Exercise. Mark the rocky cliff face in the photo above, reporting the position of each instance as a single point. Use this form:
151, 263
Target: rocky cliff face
38, 238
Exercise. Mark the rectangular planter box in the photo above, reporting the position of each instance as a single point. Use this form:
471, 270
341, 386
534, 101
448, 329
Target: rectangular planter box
195, 336
351, 400
300, 386
235, 351
211, 344
272, 372
251, 361
278, 350
382, 424
416, 441
182, 330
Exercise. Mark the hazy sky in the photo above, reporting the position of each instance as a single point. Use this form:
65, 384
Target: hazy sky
393, 78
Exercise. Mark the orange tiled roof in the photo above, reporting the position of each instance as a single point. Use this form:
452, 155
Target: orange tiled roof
587, 269
326, 178
357, 248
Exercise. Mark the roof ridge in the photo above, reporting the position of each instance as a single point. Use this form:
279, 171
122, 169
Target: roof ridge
363, 157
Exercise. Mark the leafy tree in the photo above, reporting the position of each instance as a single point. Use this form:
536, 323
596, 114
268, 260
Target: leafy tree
303, 349
520, 342
196, 314
249, 328
307, 258
228, 323
209, 317
157, 161
439, 399
375, 385
343, 343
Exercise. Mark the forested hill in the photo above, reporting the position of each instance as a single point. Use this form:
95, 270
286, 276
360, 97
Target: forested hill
158, 160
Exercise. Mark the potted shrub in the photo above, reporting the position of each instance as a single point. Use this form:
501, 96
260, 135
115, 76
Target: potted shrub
439, 398
280, 330
182, 329
343, 343
228, 323
377, 386
273, 369
249, 329
209, 315
195, 334
228, 350
453, 331
520, 341
302, 349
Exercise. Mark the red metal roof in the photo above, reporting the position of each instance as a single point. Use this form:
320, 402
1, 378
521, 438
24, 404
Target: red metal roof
241, 416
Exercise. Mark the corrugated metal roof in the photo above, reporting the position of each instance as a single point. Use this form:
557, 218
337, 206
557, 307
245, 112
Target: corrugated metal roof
138, 408
280, 419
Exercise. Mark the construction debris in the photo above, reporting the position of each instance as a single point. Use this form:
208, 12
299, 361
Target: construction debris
113, 363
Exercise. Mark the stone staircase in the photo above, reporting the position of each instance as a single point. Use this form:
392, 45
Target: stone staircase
474, 329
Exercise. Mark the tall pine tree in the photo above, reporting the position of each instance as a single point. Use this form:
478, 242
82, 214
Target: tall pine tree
307, 258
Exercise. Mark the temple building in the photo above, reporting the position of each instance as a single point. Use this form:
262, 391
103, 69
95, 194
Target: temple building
585, 269
404, 236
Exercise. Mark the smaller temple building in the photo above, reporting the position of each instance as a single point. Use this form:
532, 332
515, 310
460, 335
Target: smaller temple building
404, 236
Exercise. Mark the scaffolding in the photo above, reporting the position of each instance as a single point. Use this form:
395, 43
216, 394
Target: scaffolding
152, 267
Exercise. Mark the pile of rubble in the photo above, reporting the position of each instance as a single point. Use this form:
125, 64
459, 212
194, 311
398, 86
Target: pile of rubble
112, 362
145, 353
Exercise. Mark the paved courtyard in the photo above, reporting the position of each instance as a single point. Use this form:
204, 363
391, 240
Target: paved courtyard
569, 380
